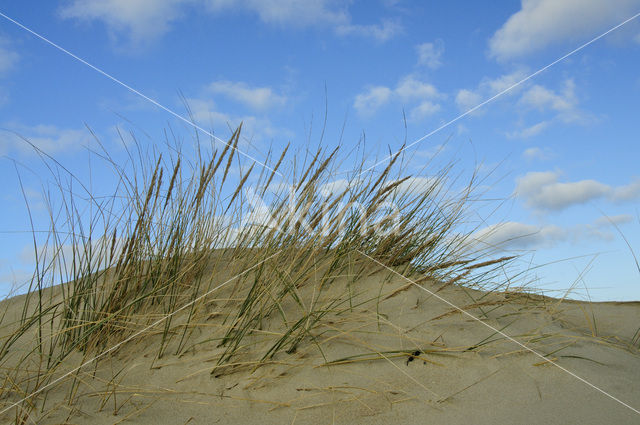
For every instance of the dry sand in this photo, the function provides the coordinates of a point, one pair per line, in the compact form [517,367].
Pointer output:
[411,359]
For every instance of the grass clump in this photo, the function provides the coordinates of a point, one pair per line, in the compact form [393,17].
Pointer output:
[180,257]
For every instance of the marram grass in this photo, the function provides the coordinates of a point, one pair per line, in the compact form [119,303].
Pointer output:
[173,231]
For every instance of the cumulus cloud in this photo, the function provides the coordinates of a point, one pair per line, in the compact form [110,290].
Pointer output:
[206,113]
[527,132]
[48,138]
[614,219]
[627,192]
[423,110]
[8,57]
[541,23]
[408,90]
[144,20]
[560,105]
[489,87]
[467,99]
[418,186]
[255,97]
[543,191]
[288,12]
[335,187]
[308,13]
[537,153]
[514,235]
[429,152]
[373,98]
[382,32]
[412,186]
[140,20]
[503,82]
[541,98]
[8,60]
[563,102]
[429,54]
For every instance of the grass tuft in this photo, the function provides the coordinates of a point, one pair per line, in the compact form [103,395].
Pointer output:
[177,235]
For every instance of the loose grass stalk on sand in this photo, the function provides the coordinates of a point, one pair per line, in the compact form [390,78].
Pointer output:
[169,265]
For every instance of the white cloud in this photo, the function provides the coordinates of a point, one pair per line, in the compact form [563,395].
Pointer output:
[560,105]
[140,20]
[467,99]
[429,54]
[260,214]
[628,192]
[8,60]
[255,97]
[563,104]
[541,23]
[615,219]
[368,102]
[383,32]
[288,12]
[144,20]
[541,190]
[205,113]
[527,132]
[8,57]
[310,13]
[430,152]
[489,87]
[48,138]
[417,185]
[423,110]
[513,235]
[504,82]
[408,90]
[537,153]
[335,187]
[542,98]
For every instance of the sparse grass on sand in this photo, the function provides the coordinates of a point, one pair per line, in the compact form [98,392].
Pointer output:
[175,302]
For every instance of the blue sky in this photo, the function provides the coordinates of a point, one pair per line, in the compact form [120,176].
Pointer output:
[566,140]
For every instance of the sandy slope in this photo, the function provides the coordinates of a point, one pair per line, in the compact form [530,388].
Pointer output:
[411,359]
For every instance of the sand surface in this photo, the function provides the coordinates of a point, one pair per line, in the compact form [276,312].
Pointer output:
[409,358]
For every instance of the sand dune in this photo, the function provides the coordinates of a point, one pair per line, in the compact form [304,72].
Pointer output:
[396,354]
